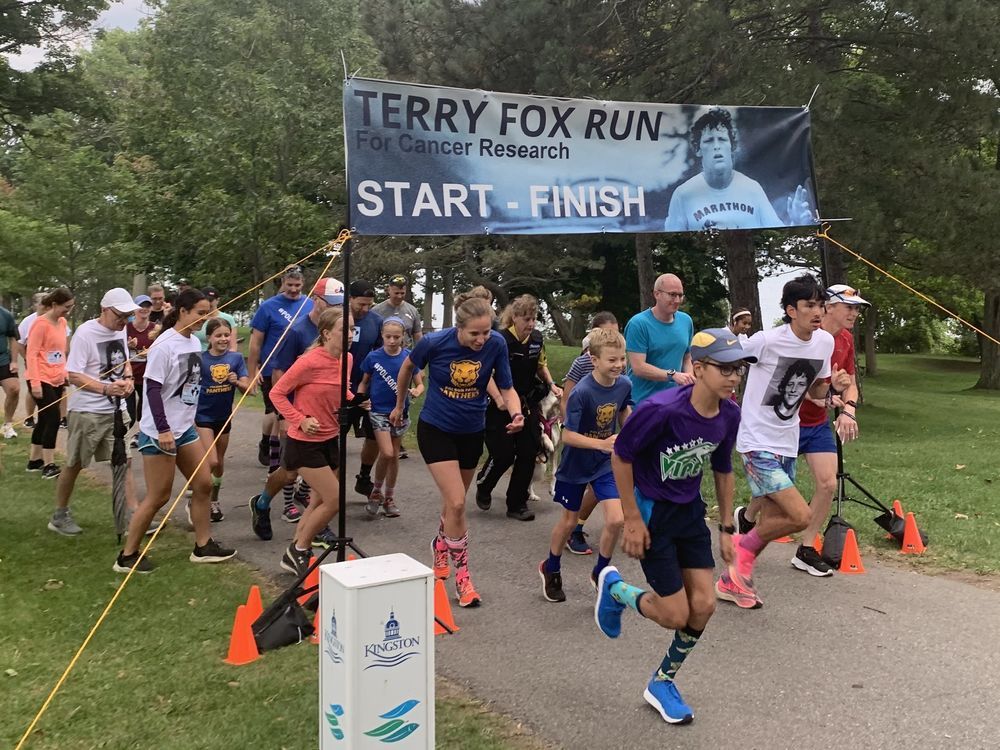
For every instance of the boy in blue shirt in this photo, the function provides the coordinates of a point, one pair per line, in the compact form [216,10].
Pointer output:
[380,372]
[657,462]
[598,404]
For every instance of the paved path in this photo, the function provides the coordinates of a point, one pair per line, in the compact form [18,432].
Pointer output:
[889,659]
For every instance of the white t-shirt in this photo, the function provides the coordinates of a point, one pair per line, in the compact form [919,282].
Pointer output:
[24,328]
[175,361]
[742,204]
[99,353]
[786,367]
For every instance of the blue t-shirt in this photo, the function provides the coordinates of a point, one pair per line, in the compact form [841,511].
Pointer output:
[367,338]
[271,319]
[592,411]
[215,403]
[664,345]
[383,368]
[457,378]
[301,337]
[667,442]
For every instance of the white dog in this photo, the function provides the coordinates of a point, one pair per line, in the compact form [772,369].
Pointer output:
[548,455]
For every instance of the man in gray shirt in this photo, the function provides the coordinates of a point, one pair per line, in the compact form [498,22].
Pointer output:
[395,305]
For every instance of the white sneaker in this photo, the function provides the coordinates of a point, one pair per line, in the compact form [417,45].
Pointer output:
[8,431]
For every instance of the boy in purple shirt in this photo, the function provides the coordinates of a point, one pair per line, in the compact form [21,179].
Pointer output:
[657,462]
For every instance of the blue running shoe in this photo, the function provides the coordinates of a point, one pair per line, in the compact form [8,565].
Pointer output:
[665,698]
[607,611]
[578,544]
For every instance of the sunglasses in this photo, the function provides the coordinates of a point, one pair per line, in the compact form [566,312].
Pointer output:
[728,370]
[121,315]
[845,294]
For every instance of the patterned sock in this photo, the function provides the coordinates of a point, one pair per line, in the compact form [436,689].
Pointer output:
[554,563]
[752,542]
[390,492]
[459,551]
[274,453]
[602,563]
[684,641]
[264,501]
[302,493]
[288,493]
[626,594]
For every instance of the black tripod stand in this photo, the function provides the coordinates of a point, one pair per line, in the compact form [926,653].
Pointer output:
[886,519]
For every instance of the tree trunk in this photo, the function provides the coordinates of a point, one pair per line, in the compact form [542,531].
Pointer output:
[138,284]
[741,274]
[563,328]
[647,276]
[989,368]
[834,270]
[871,326]
[448,292]
[428,312]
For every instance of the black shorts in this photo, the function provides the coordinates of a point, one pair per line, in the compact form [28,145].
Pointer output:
[436,445]
[265,390]
[679,538]
[216,427]
[6,374]
[299,454]
[361,421]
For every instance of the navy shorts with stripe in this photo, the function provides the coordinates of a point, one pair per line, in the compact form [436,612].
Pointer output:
[679,539]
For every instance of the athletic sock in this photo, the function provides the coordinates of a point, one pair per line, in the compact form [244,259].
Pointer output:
[366,471]
[216,486]
[627,594]
[459,551]
[274,453]
[264,501]
[602,563]
[578,529]
[553,564]
[684,640]
[752,542]
[377,486]
[302,492]
[288,493]
[390,492]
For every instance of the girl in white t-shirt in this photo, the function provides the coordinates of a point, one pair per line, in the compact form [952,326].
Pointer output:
[168,438]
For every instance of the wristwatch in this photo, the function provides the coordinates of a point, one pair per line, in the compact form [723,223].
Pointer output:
[670,374]
[727,529]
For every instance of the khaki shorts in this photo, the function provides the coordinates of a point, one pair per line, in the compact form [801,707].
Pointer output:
[91,437]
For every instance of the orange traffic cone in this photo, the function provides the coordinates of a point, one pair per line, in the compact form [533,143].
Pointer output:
[242,646]
[818,543]
[311,580]
[851,560]
[912,543]
[314,638]
[442,609]
[784,540]
[254,605]
[351,557]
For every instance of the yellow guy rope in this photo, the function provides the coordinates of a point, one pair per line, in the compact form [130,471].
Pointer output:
[824,233]
[333,246]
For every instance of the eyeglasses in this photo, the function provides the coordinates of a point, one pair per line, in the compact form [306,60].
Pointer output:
[672,295]
[120,315]
[728,370]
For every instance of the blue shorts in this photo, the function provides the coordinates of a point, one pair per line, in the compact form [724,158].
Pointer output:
[380,423]
[678,538]
[570,495]
[151,447]
[817,439]
[768,472]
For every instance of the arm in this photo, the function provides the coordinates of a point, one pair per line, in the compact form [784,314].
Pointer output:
[846,423]
[642,369]
[154,402]
[494,393]
[685,376]
[543,370]
[363,385]
[16,349]
[513,403]
[418,378]
[253,356]
[576,440]
[635,540]
[568,386]
[724,489]
[402,384]
[295,375]
[33,348]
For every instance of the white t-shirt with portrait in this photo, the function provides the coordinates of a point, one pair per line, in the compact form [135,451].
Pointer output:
[99,353]
[175,361]
[777,384]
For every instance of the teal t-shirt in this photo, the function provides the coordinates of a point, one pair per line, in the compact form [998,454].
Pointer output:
[664,345]
[8,330]
[200,333]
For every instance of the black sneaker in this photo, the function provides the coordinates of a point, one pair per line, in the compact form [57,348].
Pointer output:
[402,453]
[522,514]
[295,561]
[216,514]
[551,584]
[260,520]
[36,465]
[125,563]
[264,451]
[484,499]
[51,471]
[211,552]
[743,524]
[62,424]
[30,423]
[808,560]
[363,485]
[325,539]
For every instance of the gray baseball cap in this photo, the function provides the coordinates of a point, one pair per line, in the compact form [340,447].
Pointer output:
[718,345]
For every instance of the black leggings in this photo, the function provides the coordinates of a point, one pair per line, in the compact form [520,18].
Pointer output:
[47,422]
[134,402]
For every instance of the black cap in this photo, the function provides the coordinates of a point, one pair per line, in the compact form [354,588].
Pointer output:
[210,292]
[362,288]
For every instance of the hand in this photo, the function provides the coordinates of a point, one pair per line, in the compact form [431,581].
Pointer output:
[129,386]
[635,540]
[840,379]
[608,444]
[167,308]
[133,343]
[233,377]
[417,391]
[36,392]
[516,424]
[726,547]
[555,389]
[837,402]
[117,388]
[166,442]
[683,378]
[847,428]
[396,417]
[799,209]
[309,425]
[12,366]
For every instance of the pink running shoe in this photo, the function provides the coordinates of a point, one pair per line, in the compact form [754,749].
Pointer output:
[730,591]
[441,569]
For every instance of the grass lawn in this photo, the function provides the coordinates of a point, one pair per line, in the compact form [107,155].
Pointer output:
[153,676]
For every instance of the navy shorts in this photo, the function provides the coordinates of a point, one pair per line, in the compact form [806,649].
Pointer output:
[570,495]
[679,538]
[817,439]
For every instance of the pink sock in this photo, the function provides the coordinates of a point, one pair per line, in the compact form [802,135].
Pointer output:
[459,551]
[752,542]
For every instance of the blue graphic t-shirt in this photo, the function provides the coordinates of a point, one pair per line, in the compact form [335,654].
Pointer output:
[301,337]
[667,442]
[215,403]
[592,411]
[367,338]
[271,319]
[383,368]
[664,345]
[457,378]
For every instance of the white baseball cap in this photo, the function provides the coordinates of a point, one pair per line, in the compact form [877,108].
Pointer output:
[119,299]
[846,294]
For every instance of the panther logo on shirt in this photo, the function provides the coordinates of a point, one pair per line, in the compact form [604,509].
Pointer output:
[605,415]
[220,373]
[465,373]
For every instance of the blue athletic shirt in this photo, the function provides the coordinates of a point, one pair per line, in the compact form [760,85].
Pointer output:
[383,369]
[271,319]
[664,345]
[301,337]
[457,378]
[215,402]
[367,338]
[592,411]
[668,443]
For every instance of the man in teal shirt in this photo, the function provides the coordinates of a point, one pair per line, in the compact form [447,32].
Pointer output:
[658,342]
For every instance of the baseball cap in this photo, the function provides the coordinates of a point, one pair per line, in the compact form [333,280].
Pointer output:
[119,299]
[210,293]
[719,345]
[142,299]
[331,290]
[361,288]
[846,294]
[398,280]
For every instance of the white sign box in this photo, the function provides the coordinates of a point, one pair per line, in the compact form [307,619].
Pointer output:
[376,656]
